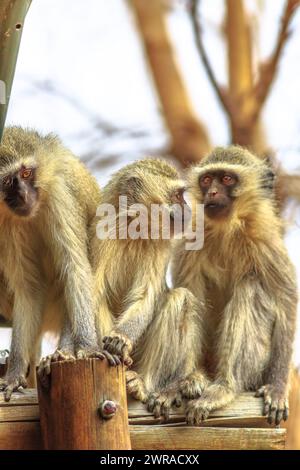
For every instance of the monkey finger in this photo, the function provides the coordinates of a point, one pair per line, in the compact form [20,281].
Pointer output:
[120,345]
[267,405]
[279,417]
[8,393]
[112,359]
[178,400]
[151,402]
[114,343]
[272,413]
[157,410]
[165,409]
[285,413]
[190,418]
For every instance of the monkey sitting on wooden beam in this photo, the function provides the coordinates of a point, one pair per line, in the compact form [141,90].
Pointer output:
[139,317]
[244,275]
[47,201]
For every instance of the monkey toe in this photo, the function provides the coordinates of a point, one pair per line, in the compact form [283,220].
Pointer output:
[275,406]
[197,411]
[136,387]
[10,386]
[161,404]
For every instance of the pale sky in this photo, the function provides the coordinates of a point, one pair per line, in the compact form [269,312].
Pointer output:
[91,52]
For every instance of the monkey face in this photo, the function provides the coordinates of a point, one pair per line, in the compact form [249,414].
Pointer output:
[217,190]
[19,192]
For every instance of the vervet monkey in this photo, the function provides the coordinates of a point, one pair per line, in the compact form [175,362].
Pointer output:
[47,200]
[247,280]
[138,315]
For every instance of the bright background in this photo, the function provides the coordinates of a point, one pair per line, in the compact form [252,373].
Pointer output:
[81,73]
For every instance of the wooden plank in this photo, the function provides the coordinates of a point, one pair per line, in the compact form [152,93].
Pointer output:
[20,436]
[19,413]
[27,436]
[22,397]
[200,438]
[245,411]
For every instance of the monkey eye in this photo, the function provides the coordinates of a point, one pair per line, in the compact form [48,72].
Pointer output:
[26,173]
[228,179]
[7,181]
[206,180]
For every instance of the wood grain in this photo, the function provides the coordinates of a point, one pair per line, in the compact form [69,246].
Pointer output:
[240,425]
[69,408]
[20,436]
[191,438]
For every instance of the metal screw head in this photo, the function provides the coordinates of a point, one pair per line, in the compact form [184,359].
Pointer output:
[107,409]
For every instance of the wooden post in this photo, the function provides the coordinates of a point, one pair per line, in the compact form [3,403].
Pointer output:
[85,407]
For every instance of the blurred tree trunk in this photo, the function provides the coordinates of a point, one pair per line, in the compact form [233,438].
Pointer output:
[12,16]
[245,130]
[190,140]
[293,423]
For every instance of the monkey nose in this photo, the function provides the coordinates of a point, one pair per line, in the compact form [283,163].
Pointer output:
[213,193]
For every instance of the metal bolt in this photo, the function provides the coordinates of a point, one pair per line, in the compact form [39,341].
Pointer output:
[107,409]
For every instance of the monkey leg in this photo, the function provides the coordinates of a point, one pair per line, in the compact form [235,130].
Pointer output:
[213,397]
[34,360]
[168,351]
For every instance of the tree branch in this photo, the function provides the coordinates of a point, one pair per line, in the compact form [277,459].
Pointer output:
[221,92]
[269,68]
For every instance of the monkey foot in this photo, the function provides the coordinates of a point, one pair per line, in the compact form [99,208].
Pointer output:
[276,406]
[197,411]
[160,403]
[44,368]
[119,345]
[112,359]
[136,386]
[11,384]
[193,385]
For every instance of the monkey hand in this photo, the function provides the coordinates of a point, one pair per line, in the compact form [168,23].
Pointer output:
[90,352]
[276,405]
[197,411]
[160,403]
[11,383]
[213,397]
[44,368]
[193,385]
[136,387]
[119,345]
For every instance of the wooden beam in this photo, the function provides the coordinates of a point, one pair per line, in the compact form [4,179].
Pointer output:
[85,406]
[190,438]
[238,426]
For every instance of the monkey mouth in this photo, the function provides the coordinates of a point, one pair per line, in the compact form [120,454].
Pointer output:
[216,209]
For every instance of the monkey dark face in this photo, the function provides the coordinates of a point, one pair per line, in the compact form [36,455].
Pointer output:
[19,192]
[217,189]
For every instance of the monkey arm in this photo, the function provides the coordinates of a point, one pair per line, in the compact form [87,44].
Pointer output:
[276,377]
[69,241]
[27,315]
[134,321]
